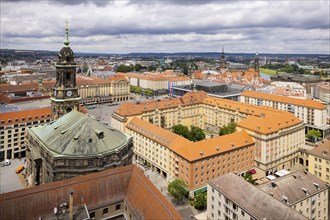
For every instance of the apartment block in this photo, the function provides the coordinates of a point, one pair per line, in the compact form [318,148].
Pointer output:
[311,112]
[278,139]
[13,126]
[194,162]
[319,161]
[230,197]
[160,83]
[278,134]
[302,192]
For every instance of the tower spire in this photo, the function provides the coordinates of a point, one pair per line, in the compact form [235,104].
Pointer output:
[66,40]
[223,49]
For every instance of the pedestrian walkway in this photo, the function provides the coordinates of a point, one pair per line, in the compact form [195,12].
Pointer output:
[184,208]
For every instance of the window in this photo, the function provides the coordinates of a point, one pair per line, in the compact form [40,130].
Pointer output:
[242,213]
[118,206]
[105,211]
[92,215]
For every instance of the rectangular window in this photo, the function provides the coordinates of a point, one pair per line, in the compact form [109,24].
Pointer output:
[105,211]
[118,206]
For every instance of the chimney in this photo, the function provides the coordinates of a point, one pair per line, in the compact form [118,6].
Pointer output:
[71,204]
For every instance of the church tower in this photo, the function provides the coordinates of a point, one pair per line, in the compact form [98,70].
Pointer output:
[256,63]
[223,62]
[65,95]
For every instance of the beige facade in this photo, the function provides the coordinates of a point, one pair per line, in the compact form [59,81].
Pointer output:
[311,112]
[278,134]
[194,162]
[319,161]
[156,81]
[96,90]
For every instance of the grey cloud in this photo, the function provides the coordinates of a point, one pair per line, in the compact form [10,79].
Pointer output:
[142,25]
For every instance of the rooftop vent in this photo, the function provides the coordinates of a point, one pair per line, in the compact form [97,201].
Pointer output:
[63,132]
[201,153]
[90,140]
[305,171]
[232,144]
[294,176]
[305,190]
[217,148]
[273,184]
[99,133]
[317,185]
[271,193]
[245,140]
[76,136]
[285,199]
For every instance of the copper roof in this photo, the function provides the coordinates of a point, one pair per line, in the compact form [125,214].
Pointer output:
[96,190]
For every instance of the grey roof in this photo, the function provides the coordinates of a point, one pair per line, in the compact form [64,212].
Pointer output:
[292,186]
[76,134]
[254,201]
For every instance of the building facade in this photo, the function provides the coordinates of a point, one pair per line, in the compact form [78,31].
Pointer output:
[194,162]
[311,112]
[95,90]
[319,161]
[13,126]
[278,141]
[230,197]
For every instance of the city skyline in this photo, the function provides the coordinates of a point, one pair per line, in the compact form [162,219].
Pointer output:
[168,26]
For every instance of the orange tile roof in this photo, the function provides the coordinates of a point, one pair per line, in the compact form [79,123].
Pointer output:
[24,115]
[157,134]
[270,124]
[185,148]
[130,109]
[284,99]
[206,148]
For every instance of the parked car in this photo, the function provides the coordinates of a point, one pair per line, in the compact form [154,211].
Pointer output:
[19,169]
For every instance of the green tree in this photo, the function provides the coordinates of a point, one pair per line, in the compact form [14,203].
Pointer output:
[181,130]
[248,177]
[124,68]
[138,67]
[148,92]
[228,129]
[196,134]
[177,188]
[313,135]
[200,200]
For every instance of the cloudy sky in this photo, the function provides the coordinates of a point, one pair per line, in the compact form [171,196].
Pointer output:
[125,26]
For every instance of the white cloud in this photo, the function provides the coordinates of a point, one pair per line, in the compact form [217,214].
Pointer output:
[168,26]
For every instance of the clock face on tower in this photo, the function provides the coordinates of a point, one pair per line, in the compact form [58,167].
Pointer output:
[69,93]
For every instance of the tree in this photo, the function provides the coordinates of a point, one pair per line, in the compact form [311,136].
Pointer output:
[196,134]
[200,200]
[228,129]
[138,67]
[148,92]
[181,130]
[248,177]
[313,135]
[124,68]
[177,188]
